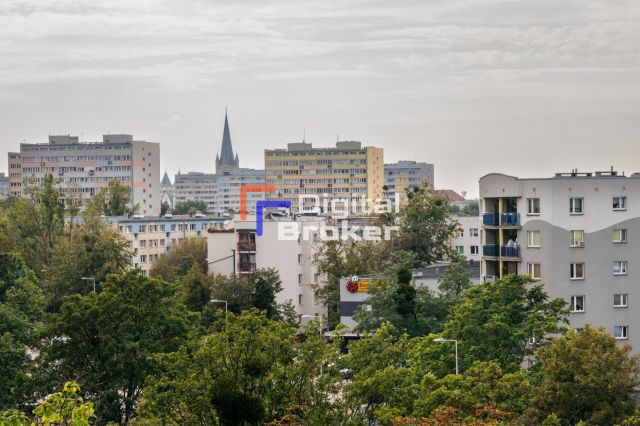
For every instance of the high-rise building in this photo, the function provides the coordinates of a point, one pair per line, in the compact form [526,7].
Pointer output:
[347,171]
[578,233]
[86,167]
[404,175]
[220,190]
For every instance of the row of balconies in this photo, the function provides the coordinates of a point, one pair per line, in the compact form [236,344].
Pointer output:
[496,250]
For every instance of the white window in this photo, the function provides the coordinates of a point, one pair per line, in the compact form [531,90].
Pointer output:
[621,332]
[473,232]
[299,278]
[619,235]
[533,206]
[619,203]
[577,303]
[577,271]
[620,300]
[533,238]
[299,299]
[474,249]
[460,249]
[576,205]
[620,267]
[576,238]
[299,259]
[533,269]
[143,243]
[143,258]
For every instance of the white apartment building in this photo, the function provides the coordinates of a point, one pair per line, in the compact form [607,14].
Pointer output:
[86,167]
[466,240]
[151,237]
[578,233]
[404,175]
[238,249]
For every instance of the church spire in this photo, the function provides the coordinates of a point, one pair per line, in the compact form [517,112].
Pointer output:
[226,159]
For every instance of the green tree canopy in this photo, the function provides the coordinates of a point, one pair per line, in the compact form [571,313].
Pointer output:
[190,207]
[176,263]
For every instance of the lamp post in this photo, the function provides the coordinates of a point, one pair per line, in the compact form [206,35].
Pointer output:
[441,340]
[93,280]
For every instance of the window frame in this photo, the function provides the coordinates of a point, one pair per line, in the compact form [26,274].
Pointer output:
[624,267]
[572,205]
[622,203]
[624,300]
[531,203]
[623,238]
[529,234]
[475,249]
[624,332]
[531,269]
[573,303]
[572,240]
[573,269]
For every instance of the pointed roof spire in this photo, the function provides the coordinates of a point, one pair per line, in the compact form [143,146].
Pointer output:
[166,180]
[226,159]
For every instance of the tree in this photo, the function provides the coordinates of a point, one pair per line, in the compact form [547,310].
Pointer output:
[111,338]
[21,315]
[184,207]
[455,280]
[425,227]
[115,200]
[227,377]
[186,254]
[395,299]
[164,208]
[496,320]
[587,377]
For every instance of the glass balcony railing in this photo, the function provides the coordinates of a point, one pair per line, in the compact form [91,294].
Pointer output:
[495,250]
[510,219]
[490,219]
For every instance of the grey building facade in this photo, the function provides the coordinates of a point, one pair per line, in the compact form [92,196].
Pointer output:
[578,233]
[403,175]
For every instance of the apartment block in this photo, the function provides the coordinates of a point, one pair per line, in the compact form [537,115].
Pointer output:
[86,167]
[347,172]
[238,249]
[466,239]
[151,237]
[404,175]
[578,233]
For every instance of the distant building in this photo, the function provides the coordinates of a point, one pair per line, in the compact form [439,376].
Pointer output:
[347,171]
[151,237]
[220,190]
[404,175]
[466,240]
[86,167]
[576,233]
[239,250]
[166,190]
[4,186]
[354,290]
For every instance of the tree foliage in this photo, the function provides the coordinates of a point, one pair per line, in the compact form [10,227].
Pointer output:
[176,263]
[114,200]
[190,207]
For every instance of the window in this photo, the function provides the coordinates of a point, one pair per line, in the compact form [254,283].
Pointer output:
[619,235]
[576,205]
[621,332]
[533,269]
[620,267]
[473,232]
[460,249]
[576,238]
[619,203]
[299,259]
[577,303]
[620,300]
[474,249]
[143,243]
[299,299]
[299,278]
[459,233]
[533,238]
[143,258]
[577,271]
[533,206]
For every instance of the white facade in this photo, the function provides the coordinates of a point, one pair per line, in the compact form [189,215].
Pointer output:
[87,167]
[466,240]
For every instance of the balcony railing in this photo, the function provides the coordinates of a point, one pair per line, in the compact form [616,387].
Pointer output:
[490,219]
[495,250]
[246,246]
[510,219]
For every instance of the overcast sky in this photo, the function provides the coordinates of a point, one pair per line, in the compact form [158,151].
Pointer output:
[474,86]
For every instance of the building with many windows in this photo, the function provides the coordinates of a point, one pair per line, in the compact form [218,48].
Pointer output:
[576,232]
[220,190]
[404,175]
[466,239]
[347,171]
[86,167]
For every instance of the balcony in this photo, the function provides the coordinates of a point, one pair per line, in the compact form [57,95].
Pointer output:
[246,267]
[501,219]
[490,219]
[244,246]
[495,250]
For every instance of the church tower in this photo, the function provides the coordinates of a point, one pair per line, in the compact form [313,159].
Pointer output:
[226,160]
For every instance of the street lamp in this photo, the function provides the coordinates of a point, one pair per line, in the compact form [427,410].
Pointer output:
[93,280]
[441,340]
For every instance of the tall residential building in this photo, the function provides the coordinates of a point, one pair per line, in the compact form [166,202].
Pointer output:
[348,171]
[4,186]
[238,249]
[404,175]
[579,233]
[220,190]
[466,239]
[86,167]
